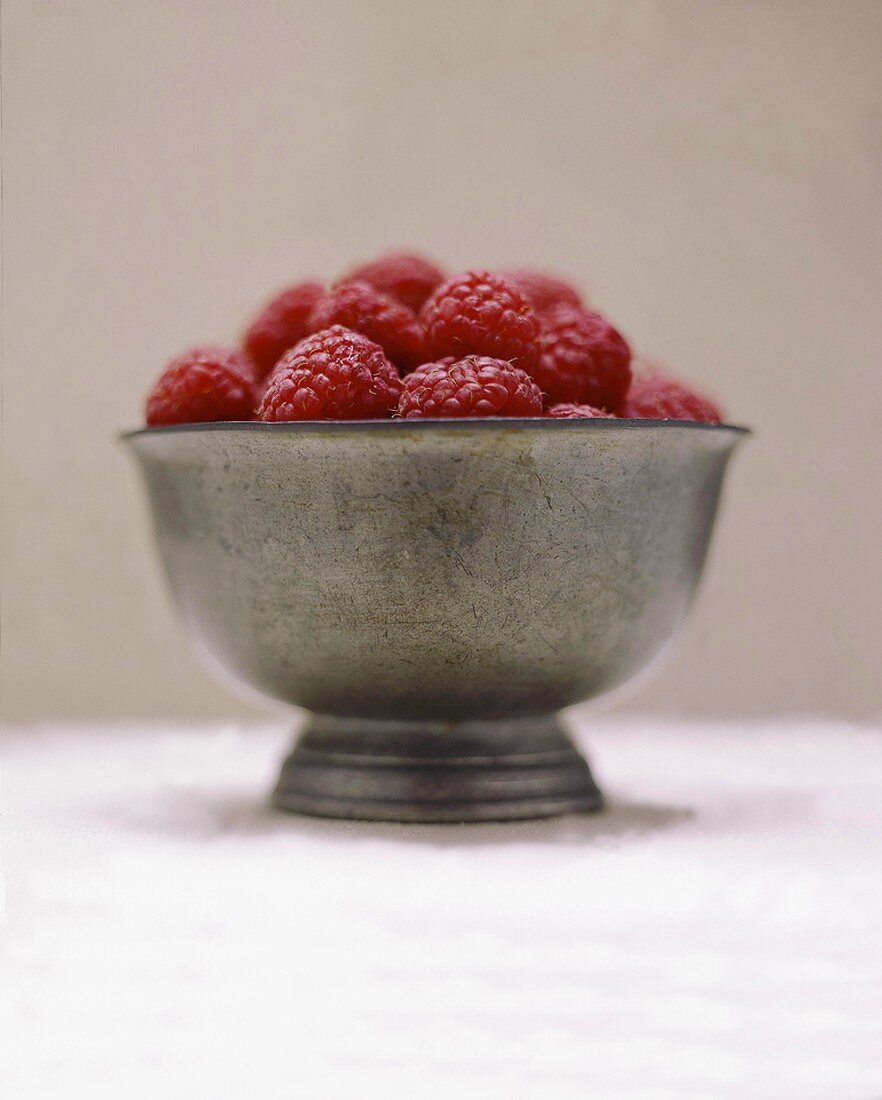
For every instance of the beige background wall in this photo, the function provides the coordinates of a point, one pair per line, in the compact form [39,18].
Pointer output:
[710,170]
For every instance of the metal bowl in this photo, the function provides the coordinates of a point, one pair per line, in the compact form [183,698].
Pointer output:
[434,591]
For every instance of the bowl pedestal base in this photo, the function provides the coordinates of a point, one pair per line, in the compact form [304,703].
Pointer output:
[415,771]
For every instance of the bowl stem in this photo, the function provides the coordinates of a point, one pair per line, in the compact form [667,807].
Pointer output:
[414,771]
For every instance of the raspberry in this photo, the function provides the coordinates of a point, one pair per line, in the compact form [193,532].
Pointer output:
[279,326]
[475,386]
[357,306]
[583,360]
[404,276]
[203,384]
[655,397]
[332,375]
[543,291]
[481,314]
[578,412]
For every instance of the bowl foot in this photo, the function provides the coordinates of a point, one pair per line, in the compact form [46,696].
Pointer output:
[436,771]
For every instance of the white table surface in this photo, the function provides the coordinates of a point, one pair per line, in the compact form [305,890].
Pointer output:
[716,934]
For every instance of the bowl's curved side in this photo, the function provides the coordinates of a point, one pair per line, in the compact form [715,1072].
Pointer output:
[457,573]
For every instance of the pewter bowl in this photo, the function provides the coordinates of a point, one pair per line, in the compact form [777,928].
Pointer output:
[434,591]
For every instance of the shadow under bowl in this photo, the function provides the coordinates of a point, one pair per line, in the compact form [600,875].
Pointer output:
[434,591]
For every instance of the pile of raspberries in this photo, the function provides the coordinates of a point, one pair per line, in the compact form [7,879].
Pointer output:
[396,338]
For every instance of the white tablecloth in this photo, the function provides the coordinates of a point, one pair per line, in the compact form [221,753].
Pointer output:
[716,934]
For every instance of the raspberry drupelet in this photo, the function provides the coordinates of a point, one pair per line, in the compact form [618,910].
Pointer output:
[543,290]
[405,276]
[357,306]
[280,325]
[474,386]
[424,368]
[332,375]
[656,397]
[583,360]
[479,313]
[202,385]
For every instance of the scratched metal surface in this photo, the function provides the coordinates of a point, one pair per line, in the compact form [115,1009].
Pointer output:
[453,570]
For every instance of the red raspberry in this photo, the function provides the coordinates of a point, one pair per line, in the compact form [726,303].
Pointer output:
[201,385]
[404,276]
[482,314]
[543,291]
[475,386]
[655,397]
[279,326]
[357,306]
[332,375]
[578,412]
[584,360]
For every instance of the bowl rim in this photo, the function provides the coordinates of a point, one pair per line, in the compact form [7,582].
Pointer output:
[484,423]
